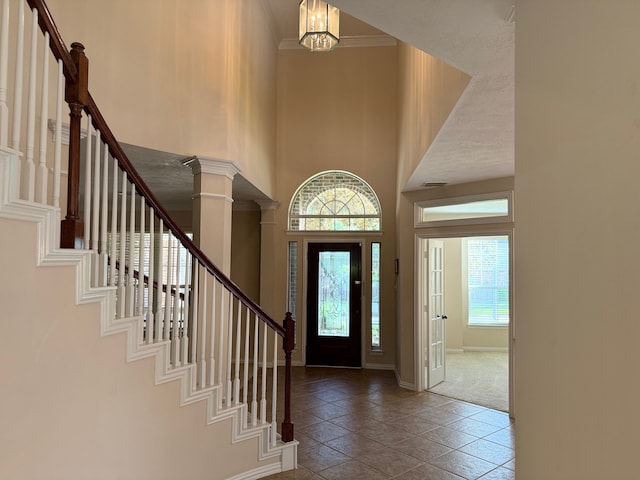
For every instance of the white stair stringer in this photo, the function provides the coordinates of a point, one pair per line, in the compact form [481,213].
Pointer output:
[47,220]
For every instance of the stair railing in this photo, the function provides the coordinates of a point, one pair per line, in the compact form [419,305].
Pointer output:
[206,321]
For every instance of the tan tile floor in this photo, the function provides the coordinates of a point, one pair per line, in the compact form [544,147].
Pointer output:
[358,424]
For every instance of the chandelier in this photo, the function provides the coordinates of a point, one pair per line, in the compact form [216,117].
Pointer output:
[319,26]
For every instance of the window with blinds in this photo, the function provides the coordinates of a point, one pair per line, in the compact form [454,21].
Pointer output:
[488,280]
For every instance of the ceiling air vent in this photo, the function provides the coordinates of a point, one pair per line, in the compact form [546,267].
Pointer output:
[433,184]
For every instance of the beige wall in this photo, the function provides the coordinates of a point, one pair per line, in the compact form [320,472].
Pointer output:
[577,302]
[338,111]
[195,81]
[72,408]
[428,89]
[245,252]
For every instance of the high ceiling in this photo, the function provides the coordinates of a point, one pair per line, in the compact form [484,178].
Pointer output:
[475,36]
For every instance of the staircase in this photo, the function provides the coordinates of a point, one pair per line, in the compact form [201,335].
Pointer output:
[72,407]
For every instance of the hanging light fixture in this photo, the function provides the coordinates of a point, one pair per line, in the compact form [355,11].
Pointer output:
[319,26]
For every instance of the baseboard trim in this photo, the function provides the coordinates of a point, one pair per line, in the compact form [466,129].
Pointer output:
[403,384]
[486,349]
[379,366]
[260,472]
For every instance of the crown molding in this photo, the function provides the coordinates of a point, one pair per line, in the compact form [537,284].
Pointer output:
[213,166]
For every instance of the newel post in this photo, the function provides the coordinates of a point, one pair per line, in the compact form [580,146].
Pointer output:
[77,96]
[289,342]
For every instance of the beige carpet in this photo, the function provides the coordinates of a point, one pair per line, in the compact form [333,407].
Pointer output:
[477,377]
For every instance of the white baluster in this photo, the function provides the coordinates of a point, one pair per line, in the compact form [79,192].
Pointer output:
[202,366]
[87,185]
[184,347]
[123,248]
[103,217]
[159,300]
[167,296]
[4,70]
[274,391]
[212,334]
[114,226]
[131,290]
[229,384]
[254,393]
[141,255]
[151,319]
[57,150]
[17,89]
[221,323]
[263,397]
[42,173]
[236,380]
[175,340]
[143,325]
[29,172]
[245,385]
[95,214]
[194,315]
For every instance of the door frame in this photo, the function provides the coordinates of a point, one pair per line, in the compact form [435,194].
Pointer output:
[364,258]
[420,290]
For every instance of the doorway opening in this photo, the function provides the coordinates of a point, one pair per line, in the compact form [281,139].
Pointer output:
[464,317]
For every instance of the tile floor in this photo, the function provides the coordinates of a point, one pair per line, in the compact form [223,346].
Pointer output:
[358,424]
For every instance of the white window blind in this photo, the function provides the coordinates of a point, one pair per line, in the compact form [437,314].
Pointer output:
[488,280]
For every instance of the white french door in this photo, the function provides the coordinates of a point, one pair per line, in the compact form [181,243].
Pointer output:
[435,355]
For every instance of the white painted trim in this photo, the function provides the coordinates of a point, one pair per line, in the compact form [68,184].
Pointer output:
[268,204]
[486,349]
[215,196]
[379,366]
[259,472]
[403,384]
[213,166]
[459,231]
[454,350]
[362,41]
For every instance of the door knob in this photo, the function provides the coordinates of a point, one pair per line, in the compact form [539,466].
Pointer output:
[444,317]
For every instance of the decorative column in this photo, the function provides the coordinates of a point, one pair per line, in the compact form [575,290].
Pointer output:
[268,249]
[212,201]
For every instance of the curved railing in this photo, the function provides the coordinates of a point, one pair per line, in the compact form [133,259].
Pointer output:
[206,320]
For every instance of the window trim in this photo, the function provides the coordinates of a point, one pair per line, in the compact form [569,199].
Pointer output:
[465,280]
[419,207]
[370,194]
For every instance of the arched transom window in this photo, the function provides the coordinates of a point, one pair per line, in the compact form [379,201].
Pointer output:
[334,200]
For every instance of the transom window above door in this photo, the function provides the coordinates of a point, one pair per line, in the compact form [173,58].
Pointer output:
[335,201]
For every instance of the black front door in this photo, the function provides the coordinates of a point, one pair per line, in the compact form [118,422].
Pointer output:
[333,304]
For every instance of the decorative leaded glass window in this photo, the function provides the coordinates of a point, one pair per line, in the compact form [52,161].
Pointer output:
[334,200]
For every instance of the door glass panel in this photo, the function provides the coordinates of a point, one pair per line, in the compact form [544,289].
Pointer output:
[334,284]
